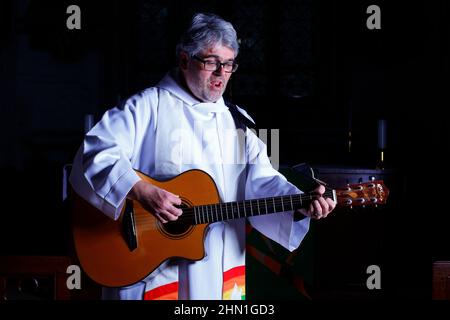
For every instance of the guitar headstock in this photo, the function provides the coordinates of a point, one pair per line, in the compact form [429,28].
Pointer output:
[362,194]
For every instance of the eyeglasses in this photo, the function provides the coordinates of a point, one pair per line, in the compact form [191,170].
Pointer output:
[211,65]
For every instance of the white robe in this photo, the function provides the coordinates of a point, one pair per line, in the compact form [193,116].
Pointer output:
[162,132]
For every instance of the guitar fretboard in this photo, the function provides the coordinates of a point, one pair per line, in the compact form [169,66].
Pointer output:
[249,208]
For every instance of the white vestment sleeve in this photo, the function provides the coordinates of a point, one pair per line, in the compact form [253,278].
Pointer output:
[264,181]
[102,171]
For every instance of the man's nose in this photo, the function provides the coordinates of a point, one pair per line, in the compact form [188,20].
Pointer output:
[220,70]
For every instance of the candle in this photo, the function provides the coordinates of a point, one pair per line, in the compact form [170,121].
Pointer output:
[382,134]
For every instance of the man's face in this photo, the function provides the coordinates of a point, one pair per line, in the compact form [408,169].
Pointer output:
[207,86]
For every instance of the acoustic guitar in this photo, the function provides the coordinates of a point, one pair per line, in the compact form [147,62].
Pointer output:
[123,252]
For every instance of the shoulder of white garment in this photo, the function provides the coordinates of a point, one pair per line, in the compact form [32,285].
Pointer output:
[140,107]
[144,99]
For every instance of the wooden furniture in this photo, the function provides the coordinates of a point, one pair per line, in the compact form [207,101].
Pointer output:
[34,278]
[441,280]
[42,278]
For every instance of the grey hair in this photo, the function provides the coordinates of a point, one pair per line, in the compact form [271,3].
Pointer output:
[207,30]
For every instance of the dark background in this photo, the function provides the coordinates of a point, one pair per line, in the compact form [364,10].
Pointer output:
[309,68]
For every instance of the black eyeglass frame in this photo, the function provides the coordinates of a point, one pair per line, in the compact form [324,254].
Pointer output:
[218,65]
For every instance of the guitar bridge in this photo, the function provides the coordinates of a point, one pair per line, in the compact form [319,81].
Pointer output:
[129,226]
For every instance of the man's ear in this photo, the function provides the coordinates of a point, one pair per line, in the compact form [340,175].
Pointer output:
[184,58]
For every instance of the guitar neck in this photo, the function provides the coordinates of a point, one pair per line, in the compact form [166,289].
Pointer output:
[249,208]
[353,195]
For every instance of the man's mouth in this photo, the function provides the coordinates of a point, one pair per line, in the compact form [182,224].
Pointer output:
[217,84]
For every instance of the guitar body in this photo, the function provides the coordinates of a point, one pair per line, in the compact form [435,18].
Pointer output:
[106,256]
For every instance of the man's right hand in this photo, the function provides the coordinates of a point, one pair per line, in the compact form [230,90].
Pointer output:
[159,202]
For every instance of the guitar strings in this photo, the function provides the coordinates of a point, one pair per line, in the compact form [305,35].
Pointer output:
[189,214]
[244,204]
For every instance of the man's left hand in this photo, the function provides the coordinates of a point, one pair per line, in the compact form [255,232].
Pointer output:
[319,208]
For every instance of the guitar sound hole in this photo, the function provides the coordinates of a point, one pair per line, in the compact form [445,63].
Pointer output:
[179,228]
